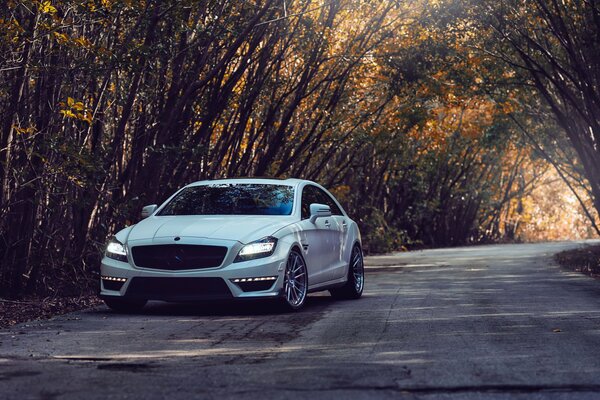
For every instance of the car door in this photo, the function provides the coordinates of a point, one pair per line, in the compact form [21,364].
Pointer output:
[319,240]
[339,231]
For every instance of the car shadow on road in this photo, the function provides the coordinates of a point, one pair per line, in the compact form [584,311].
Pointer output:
[314,303]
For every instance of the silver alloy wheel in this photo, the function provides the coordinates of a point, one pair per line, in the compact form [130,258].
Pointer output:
[358,269]
[295,283]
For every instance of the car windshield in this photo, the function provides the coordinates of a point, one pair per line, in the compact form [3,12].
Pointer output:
[232,199]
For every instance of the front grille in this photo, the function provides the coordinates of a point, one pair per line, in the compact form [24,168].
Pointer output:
[176,257]
[178,289]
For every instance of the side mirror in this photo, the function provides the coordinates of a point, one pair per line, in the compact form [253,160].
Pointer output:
[318,211]
[148,210]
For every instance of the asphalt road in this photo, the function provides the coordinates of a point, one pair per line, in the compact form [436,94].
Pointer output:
[498,322]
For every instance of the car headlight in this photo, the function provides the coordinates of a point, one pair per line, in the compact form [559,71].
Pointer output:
[116,250]
[259,249]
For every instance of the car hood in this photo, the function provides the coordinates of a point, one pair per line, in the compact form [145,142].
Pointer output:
[242,228]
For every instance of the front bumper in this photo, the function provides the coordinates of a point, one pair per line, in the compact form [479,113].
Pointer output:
[122,279]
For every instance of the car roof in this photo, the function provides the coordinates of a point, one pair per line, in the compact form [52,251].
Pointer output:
[268,181]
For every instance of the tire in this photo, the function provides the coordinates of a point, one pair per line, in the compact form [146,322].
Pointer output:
[125,305]
[355,284]
[295,283]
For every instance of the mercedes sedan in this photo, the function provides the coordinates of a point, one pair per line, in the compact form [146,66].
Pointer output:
[235,239]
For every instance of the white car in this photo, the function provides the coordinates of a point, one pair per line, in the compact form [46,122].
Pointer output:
[235,239]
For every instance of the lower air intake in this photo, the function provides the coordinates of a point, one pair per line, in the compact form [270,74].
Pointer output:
[178,289]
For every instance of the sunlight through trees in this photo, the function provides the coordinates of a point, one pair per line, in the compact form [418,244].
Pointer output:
[436,123]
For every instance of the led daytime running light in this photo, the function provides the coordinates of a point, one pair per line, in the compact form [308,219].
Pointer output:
[262,278]
[113,279]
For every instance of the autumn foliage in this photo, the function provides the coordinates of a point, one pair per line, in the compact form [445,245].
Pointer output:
[397,107]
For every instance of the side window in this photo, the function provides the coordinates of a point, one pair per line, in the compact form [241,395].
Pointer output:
[310,195]
[324,198]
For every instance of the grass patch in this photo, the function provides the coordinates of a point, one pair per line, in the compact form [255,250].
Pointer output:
[585,260]
[17,311]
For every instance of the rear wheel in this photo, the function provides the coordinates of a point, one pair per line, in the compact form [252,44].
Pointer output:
[125,305]
[356,278]
[295,284]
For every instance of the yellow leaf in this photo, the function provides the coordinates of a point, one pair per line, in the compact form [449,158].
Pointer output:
[19,130]
[70,101]
[61,37]
[46,7]
[78,106]
[68,113]
[83,42]
[87,117]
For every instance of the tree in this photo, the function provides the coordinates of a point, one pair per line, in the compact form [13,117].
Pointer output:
[555,47]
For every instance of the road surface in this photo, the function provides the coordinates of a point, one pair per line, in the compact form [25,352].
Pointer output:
[500,322]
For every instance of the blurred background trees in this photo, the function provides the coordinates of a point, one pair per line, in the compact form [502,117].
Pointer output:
[435,123]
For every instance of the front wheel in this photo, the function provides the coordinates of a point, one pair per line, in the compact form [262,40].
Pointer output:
[295,284]
[125,305]
[356,277]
